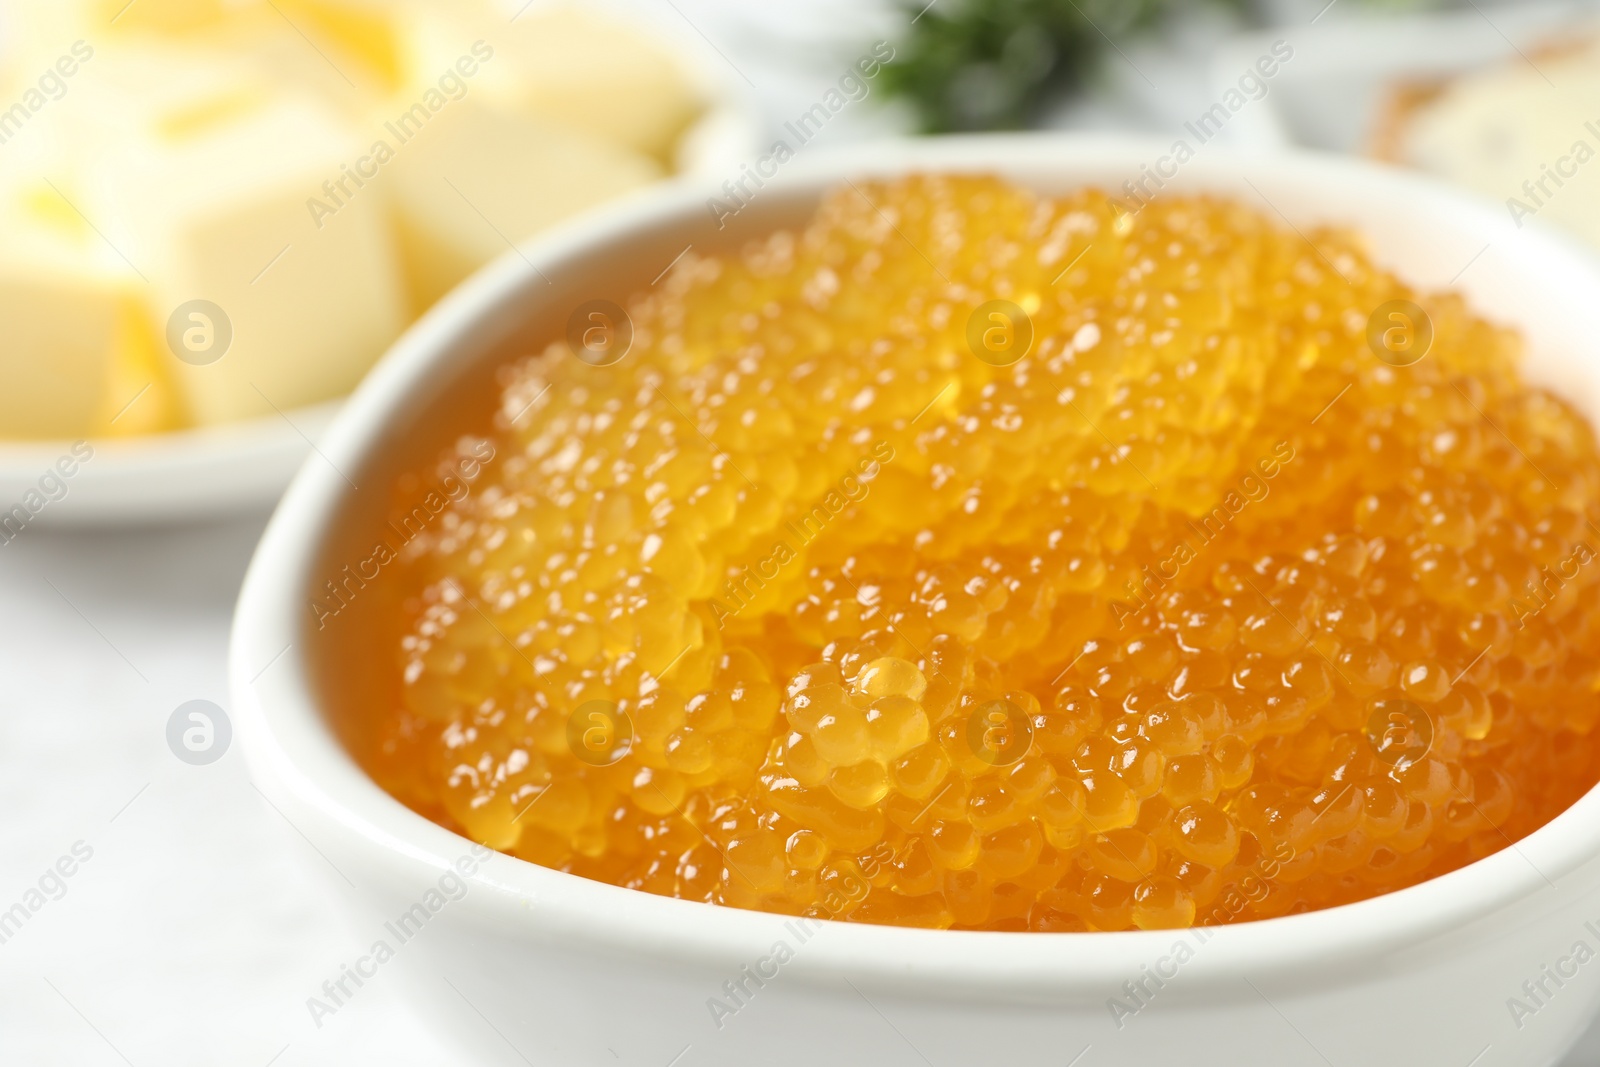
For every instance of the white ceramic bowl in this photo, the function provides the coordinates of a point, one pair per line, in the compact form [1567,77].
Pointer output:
[541,967]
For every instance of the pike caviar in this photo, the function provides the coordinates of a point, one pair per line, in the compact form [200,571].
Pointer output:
[1197,612]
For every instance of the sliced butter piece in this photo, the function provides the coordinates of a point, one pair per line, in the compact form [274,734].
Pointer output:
[163,16]
[136,91]
[219,212]
[367,30]
[345,59]
[342,46]
[474,180]
[597,76]
[34,34]
[77,358]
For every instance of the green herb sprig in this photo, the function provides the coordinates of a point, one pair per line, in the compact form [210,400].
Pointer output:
[994,64]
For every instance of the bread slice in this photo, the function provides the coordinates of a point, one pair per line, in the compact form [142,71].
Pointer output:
[1525,132]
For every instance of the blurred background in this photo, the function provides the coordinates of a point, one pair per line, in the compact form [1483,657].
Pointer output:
[216,215]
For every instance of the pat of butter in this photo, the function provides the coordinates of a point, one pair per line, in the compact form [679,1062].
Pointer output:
[218,210]
[33,34]
[131,92]
[344,56]
[366,30]
[77,358]
[473,181]
[168,16]
[344,50]
[597,76]
[354,40]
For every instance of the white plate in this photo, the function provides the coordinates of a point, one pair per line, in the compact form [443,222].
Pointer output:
[188,474]
[212,472]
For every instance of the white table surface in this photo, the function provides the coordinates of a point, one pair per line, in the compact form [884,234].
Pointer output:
[201,924]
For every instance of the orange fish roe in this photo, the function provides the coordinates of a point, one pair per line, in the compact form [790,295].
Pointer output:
[1197,612]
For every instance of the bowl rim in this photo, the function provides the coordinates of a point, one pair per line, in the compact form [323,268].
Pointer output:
[298,760]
